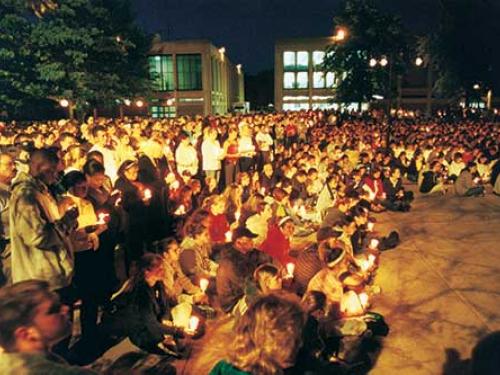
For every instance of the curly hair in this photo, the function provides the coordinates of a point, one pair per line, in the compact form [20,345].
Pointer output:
[268,335]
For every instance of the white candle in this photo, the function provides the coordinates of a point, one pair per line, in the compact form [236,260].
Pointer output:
[102,216]
[204,284]
[229,236]
[194,321]
[370,226]
[237,215]
[374,243]
[290,268]
[363,298]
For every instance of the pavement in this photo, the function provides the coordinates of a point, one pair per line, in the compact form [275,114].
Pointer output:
[440,289]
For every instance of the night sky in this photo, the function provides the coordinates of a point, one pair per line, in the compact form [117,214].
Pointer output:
[249,28]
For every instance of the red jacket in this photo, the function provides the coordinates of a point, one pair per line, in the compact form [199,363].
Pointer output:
[218,227]
[276,245]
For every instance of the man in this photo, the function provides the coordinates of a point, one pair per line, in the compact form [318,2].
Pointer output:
[40,237]
[7,173]
[100,139]
[236,265]
[32,321]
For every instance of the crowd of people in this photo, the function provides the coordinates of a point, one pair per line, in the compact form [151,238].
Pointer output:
[150,227]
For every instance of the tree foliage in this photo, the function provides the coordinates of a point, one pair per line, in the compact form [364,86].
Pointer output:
[88,51]
[370,34]
[465,47]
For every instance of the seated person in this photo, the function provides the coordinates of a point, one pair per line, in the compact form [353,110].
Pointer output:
[277,242]
[268,337]
[237,264]
[466,184]
[32,321]
[433,179]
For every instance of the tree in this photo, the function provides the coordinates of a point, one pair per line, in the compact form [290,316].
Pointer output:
[464,48]
[90,52]
[369,35]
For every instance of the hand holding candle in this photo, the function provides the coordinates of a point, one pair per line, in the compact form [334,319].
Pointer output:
[290,269]
[147,195]
[370,226]
[374,244]
[228,236]
[193,324]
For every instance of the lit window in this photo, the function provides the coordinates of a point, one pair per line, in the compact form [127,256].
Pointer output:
[318,58]
[318,80]
[302,80]
[161,71]
[302,60]
[289,60]
[162,111]
[189,72]
[330,79]
[289,80]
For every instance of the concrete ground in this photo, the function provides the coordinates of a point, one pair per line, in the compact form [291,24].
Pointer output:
[440,289]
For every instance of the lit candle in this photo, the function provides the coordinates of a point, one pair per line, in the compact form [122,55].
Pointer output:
[374,243]
[147,195]
[290,268]
[204,284]
[194,321]
[477,180]
[229,236]
[370,226]
[263,191]
[364,265]
[237,215]
[364,300]
[118,201]
[181,210]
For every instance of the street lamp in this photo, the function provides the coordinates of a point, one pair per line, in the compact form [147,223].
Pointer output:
[373,62]
[139,103]
[476,86]
[127,102]
[419,61]
[64,103]
[384,61]
[341,34]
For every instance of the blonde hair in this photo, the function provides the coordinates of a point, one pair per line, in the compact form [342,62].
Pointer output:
[268,335]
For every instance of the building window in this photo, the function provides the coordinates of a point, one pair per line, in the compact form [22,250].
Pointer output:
[318,58]
[318,80]
[330,80]
[162,111]
[161,71]
[189,72]
[302,80]
[289,80]
[295,106]
[296,61]
[289,60]
[297,80]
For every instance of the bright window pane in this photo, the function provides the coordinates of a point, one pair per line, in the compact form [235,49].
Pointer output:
[319,80]
[318,57]
[161,71]
[302,80]
[302,60]
[289,80]
[289,60]
[330,79]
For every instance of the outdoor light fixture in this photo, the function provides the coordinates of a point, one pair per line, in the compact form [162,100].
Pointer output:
[222,50]
[238,67]
[139,103]
[64,103]
[384,61]
[341,34]
[170,102]
[476,86]
[118,38]
[373,62]
[419,61]
[127,102]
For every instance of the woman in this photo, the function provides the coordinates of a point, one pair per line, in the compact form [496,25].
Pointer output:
[211,153]
[141,308]
[135,199]
[268,338]
[231,167]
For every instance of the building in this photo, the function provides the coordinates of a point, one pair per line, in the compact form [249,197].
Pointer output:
[299,82]
[193,77]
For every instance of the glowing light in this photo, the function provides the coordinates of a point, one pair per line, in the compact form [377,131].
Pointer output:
[228,236]
[373,62]
[341,34]
[384,61]
[147,195]
[374,243]
[476,86]
[238,67]
[181,210]
[204,284]
[64,103]
[127,102]
[364,300]
[194,321]
[370,226]
[419,61]
[290,269]
[118,38]
[139,103]
[237,215]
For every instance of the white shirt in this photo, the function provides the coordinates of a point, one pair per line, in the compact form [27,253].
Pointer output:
[211,154]
[186,159]
[265,141]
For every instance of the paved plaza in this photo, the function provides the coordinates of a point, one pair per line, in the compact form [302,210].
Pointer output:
[440,289]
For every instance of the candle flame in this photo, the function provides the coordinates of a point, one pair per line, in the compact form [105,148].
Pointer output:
[102,216]
[290,268]
[229,236]
[374,243]
[147,194]
[363,298]
[194,321]
[204,284]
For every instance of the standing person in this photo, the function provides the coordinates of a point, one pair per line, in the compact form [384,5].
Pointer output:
[40,236]
[265,143]
[7,173]
[186,157]
[231,167]
[211,154]
[246,149]
[32,321]
[100,139]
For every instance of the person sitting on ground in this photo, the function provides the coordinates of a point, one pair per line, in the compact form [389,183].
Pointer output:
[32,321]
[467,183]
[268,338]
[433,179]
